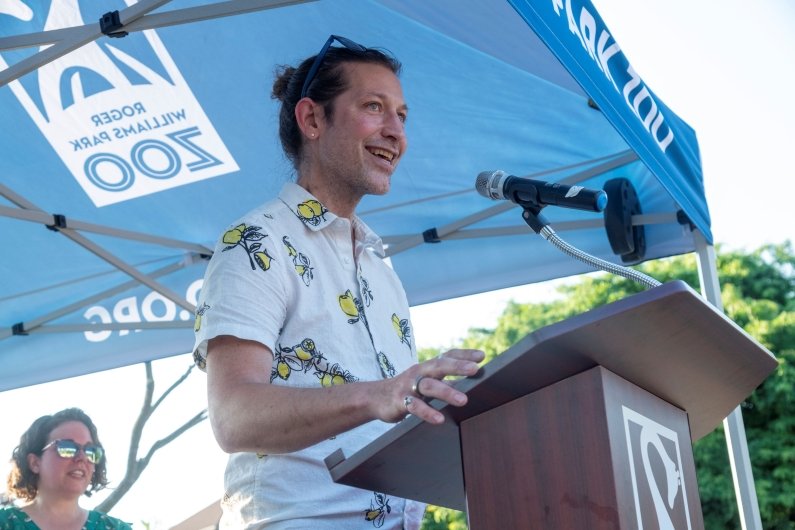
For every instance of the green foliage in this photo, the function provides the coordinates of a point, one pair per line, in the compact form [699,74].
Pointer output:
[758,293]
[437,518]
[423,354]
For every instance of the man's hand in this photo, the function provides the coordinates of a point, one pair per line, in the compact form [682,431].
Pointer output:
[404,393]
[248,413]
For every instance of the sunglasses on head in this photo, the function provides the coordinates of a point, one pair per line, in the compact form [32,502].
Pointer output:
[348,43]
[70,448]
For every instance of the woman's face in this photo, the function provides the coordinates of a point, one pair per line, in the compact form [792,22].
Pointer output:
[63,477]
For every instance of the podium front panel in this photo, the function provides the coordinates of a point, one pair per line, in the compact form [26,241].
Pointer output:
[590,452]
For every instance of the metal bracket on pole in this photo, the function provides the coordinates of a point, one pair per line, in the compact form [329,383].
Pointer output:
[742,475]
[111,25]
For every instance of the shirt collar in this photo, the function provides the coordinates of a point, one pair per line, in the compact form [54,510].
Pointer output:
[309,210]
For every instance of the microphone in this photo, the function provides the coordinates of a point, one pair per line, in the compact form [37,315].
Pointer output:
[498,185]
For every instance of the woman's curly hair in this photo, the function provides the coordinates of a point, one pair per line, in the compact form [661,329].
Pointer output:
[22,481]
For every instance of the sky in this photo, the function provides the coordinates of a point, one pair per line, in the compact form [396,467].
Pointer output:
[724,66]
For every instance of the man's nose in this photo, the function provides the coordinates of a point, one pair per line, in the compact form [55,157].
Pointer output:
[395,127]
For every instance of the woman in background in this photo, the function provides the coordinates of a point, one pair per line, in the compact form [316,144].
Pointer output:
[58,459]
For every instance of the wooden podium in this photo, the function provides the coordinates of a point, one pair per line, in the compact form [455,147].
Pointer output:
[584,424]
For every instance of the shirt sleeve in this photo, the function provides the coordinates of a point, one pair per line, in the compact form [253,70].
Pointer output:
[243,294]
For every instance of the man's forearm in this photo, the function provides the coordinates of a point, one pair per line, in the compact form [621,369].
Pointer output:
[266,418]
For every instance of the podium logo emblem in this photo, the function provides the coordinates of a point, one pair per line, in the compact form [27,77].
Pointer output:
[656,466]
[117,112]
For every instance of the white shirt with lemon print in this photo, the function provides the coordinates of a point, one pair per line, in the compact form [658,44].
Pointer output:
[287,275]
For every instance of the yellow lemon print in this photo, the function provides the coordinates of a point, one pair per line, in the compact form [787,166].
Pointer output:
[233,236]
[348,304]
[311,211]
[283,369]
[304,350]
[402,329]
[290,249]
[197,324]
[263,260]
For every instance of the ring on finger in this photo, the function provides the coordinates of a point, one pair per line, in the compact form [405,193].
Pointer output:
[408,400]
[415,388]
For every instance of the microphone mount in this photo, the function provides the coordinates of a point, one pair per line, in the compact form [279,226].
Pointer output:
[533,196]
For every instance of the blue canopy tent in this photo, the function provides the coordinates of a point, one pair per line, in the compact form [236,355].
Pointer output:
[124,158]
[141,150]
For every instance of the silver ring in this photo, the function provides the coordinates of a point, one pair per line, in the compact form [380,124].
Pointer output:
[408,400]
[415,388]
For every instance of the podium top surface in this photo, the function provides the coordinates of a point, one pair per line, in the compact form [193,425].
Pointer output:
[667,340]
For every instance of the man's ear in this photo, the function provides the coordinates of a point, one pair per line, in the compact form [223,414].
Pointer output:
[310,118]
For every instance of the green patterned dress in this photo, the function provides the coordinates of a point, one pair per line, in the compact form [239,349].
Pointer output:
[12,518]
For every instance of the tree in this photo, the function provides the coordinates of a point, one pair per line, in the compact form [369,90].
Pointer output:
[758,293]
[136,465]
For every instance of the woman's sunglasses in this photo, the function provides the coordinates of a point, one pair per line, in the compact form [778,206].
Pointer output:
[70,448]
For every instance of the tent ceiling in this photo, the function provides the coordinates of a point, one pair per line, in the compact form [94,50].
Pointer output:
[136,153]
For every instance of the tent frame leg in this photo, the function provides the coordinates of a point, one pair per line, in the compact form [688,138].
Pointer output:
[733,427]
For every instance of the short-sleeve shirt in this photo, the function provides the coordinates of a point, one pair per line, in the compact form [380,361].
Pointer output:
[290,276]
[12,518]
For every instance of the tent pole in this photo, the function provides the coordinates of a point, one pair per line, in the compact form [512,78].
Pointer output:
[134,18]
[734,430]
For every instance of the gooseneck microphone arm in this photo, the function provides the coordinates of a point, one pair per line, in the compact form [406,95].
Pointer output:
[532,196]
[537,222]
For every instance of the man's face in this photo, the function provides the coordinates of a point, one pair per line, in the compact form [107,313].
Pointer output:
[361,147]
